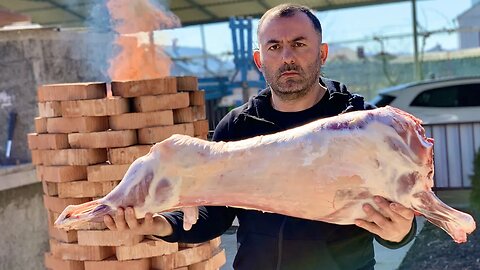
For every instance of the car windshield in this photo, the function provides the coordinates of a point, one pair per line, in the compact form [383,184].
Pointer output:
[382,100]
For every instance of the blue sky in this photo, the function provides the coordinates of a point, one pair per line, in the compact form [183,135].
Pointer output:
[352,24]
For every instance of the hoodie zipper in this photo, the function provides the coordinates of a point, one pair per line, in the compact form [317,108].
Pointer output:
[280,243]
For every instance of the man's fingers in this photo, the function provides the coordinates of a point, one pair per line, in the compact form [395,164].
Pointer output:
[402,211]
[375,216]
[120,220]
[109,222]
[369,226]
[130,218]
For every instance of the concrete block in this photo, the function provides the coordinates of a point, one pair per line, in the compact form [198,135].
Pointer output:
[158,134]
[71,91]
[161,102]
[47,141]
[187,83]
[95,107]
[49,109]
[77,124]
[113,264]
[103,139]
[77,157]
[145,249]
[53,263]
[71,251]
[108,238]
[141,120]
[158,86]
[183,115]
[197,98]
[127,155]
[106,172]
[61,173]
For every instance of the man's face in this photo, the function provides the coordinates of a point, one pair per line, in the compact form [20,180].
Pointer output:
[290,55]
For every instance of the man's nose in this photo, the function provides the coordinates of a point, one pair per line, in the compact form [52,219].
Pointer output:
[288,55]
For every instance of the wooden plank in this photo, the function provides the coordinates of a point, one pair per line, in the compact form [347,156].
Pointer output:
[71,251]
[85,189]
[57,205]
[95,107]
[158,134]
[127,155]
[145,249]
[47,141]
[197,98]
[72,91]
[187,83]
[106,172]
[62,235]
[73,156]
[77,124]
[108,238]
[58,264]
[213,263]
[50,188]
[49,109]
[40,124]
[158,86]
[103,139]
[199,113]
[61,173]
[183,115]
[141,120]
[184,257]
[113,264]
[161,102]
[200,128]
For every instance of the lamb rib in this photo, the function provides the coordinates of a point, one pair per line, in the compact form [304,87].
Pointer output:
[325,170]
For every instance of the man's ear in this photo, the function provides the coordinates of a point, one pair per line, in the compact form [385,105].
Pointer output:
[256,59]
[323,53]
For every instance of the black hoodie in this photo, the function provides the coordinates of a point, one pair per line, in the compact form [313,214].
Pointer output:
[272,241]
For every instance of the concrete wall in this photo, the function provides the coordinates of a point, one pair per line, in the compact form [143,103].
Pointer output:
[29,58]
[23,222]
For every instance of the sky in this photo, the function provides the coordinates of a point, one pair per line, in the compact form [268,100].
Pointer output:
[349,25]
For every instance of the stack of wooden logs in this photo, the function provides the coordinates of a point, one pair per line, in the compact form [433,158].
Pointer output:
[86,136]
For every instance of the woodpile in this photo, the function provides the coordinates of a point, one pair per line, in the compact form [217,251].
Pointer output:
[85,139]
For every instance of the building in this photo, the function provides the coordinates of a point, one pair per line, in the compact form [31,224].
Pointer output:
[469,23]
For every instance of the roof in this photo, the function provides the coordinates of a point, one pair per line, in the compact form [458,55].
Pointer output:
[73,13]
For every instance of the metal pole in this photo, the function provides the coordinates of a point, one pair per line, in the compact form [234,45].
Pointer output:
[417,68]
[204,48]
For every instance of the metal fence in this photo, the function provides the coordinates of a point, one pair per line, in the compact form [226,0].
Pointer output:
[455,147]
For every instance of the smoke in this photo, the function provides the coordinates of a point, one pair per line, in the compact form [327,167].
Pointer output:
[121,38]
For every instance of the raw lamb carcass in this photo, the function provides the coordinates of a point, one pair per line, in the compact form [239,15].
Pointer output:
[325,170]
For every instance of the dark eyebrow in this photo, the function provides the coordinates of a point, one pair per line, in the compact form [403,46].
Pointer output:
[274,41]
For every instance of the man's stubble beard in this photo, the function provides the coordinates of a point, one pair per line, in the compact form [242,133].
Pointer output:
[293,89]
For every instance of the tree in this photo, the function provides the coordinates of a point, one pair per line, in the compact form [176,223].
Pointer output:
[475,195]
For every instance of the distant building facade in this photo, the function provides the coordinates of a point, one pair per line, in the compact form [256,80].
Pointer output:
[469,22]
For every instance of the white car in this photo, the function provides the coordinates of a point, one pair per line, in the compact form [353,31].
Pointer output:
[437,101]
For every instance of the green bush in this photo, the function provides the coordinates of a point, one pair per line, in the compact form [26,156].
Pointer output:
[475,195]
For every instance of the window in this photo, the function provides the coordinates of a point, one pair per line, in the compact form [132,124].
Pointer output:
[383,100]
[452,96]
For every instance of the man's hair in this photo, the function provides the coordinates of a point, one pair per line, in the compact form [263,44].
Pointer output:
[288,10]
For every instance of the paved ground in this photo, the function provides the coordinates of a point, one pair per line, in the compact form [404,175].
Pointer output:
[386,259]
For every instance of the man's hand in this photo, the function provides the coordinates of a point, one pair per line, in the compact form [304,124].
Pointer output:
[125,220]
[392,221]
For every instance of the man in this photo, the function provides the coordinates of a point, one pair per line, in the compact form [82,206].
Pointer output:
[290,56]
